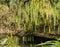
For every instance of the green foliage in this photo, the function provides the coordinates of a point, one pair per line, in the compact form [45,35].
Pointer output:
[33,13]
[49,44]
[30,15]
[9,41]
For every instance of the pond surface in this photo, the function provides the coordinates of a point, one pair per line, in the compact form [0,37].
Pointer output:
[34,41]
[27,41]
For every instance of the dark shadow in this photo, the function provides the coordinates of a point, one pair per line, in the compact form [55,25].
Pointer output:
[38,40]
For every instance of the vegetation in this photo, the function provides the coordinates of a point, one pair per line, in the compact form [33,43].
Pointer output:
[23,17]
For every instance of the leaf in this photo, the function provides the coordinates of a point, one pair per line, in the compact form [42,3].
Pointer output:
[4,41]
